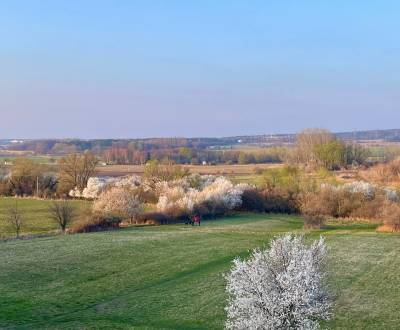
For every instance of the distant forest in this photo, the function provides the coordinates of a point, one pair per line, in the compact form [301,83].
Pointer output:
[227,150]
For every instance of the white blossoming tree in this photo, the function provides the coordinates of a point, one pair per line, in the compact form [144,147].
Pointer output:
[180,196]
[119,201]
[279,288]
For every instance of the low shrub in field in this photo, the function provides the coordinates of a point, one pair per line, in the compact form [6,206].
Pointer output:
[211,209]
[391,217]
[384,173]
[370,208]
[314,221]
[279,288]
[253,201]
[155,218]
[280,200]
[5,187]
[314,210]
[91,222]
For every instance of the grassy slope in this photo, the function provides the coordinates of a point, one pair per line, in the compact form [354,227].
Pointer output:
[171,277]
[35,214]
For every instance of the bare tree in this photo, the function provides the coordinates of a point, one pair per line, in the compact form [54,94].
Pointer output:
[62,212]
[75,170]
[14,218]
[155,172]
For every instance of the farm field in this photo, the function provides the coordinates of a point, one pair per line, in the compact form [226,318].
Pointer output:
[35,213]
[171,277]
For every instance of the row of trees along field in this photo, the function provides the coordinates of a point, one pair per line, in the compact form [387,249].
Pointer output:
[314,147]
[311,145]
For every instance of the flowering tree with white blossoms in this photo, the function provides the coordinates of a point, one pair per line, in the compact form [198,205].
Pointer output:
[280,287]
[175,196]
[119,201]
[96,185]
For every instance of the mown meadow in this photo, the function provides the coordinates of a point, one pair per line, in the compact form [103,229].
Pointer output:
[35,216]
[171,277]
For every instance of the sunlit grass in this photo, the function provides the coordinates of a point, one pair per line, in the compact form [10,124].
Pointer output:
[171,277]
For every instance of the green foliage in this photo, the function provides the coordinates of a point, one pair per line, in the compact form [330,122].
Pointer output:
[288,177]
[331,155]
[356,154]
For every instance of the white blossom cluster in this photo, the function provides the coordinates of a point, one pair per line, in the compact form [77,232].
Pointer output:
[96,185]
[367,189]
[217,190]
[391,194]
[119,201]
[181,194]
[279,288]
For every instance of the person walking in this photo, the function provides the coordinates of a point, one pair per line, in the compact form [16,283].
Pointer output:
[197,219]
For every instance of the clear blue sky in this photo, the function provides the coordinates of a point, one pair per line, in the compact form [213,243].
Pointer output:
[98,69]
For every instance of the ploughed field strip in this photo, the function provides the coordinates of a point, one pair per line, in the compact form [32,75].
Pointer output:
[171,277]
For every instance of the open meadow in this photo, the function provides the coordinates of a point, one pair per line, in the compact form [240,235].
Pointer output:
[35,216]
[171,277]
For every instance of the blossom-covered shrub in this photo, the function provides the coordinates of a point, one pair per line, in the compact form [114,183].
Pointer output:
[391,195]
[96,185]
[362,187]
[355,187]
[118,201]
[219,193]
[279,288]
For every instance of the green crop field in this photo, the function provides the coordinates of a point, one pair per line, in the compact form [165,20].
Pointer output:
[35,216]
[171,277]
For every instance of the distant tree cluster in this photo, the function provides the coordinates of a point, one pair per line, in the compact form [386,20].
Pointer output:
[29,178]
[186,155]
[320,148]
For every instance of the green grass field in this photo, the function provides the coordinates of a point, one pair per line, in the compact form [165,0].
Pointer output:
[35,216]
[171,277]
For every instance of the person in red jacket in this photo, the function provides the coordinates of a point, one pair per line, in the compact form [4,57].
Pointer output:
[196,220]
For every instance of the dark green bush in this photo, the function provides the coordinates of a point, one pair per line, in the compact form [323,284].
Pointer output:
[252,201]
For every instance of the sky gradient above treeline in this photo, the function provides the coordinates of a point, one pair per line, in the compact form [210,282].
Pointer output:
[126,69]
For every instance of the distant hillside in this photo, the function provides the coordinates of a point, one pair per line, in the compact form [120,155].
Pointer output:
[64,146]
[390,135]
